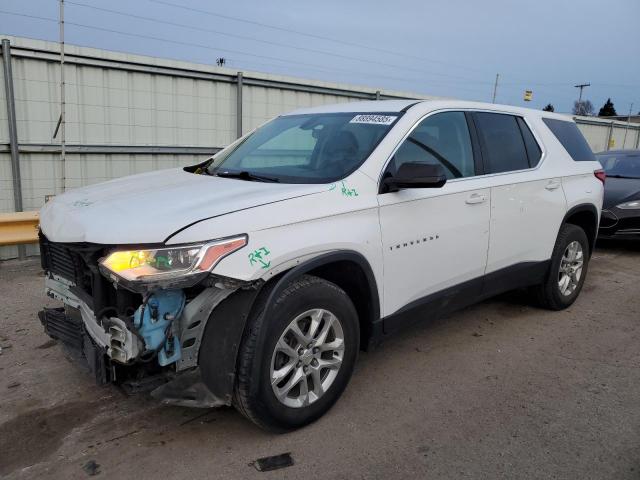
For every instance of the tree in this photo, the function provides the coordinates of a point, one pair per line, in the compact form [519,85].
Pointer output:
[607,109]
[585,107]
[549,108]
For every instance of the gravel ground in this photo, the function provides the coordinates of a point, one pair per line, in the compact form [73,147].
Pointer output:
[499,390]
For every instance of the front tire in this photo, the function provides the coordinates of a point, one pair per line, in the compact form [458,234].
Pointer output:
[297,355]
[567,271]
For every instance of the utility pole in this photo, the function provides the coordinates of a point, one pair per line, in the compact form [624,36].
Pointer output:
[62,100]
[495,88]
[581,87]
[627,126]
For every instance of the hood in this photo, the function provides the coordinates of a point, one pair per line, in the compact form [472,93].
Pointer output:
[149,207]
[620,190]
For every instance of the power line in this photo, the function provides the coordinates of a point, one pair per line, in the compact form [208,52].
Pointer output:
[269,42]
[311,35]
[208,47]
[405,79]
[367,47]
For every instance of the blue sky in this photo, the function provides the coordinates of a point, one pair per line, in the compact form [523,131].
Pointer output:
[441,47]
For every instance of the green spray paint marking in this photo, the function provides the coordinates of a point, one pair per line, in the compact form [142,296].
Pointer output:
[348,192]
[259,256]
[332,186]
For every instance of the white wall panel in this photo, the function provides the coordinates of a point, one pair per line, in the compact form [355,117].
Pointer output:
[596,135]
[4,126]
[6,184]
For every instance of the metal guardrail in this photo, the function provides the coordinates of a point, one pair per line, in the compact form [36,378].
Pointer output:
[19,228]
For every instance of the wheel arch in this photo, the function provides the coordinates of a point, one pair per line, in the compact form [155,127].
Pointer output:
[584,216]
[350,271]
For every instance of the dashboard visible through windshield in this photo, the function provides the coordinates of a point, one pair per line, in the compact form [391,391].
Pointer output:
[310,148]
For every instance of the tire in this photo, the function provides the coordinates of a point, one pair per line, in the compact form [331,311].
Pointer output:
[305,301]
[550,294]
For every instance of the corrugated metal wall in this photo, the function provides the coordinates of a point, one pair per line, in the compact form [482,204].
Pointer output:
[128,114]
[608,134]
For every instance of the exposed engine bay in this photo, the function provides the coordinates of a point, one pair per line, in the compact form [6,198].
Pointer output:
[143,340]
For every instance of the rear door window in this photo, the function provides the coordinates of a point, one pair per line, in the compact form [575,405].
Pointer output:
[503,147]
[571,139]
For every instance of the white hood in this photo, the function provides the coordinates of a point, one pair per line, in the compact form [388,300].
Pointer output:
[149,207]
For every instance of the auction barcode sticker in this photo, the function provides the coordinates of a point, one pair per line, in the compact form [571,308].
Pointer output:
[374,119]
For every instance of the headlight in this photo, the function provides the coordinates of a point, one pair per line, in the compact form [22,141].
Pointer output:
[171,264]
[632,205]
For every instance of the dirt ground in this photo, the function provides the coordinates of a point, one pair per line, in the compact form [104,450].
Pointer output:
[499,390]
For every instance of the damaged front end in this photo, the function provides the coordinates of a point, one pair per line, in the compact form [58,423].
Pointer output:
[138,318]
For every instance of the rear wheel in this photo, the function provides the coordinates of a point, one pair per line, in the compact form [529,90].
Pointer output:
[567,271]
[297,356]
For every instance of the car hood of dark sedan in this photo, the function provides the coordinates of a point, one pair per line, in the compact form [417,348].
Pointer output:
[620,190]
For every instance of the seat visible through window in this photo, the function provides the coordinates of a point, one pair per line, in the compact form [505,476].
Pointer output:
[442,139]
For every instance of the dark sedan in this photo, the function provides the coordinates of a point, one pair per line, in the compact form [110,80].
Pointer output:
[621,208]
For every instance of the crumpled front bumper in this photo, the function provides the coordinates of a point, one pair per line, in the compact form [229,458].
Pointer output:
[65,325]
[108,347]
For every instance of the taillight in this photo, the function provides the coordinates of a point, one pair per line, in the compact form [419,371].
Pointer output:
[600,175]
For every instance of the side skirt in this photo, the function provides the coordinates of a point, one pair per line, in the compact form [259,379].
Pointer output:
[454,298]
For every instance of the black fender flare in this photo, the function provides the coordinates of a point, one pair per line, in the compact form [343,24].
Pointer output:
[325,259]
[226,326]
[585,207]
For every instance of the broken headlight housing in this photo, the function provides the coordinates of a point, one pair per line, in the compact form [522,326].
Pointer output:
[177,266]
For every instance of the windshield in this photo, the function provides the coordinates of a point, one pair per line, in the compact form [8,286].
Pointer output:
[314,148]
[621,165]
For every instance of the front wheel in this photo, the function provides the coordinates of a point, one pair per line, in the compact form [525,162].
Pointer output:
[297,355]
[567,271]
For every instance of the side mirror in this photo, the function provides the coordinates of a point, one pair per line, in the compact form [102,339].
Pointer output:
[416,175]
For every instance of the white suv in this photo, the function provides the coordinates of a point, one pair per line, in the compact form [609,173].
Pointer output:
[254,278]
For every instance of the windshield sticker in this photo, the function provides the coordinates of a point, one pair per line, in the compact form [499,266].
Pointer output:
[258,256]
[374,119]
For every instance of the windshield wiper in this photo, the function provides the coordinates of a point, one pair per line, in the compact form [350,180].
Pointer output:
[245,175]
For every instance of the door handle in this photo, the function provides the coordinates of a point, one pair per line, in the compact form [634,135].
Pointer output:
[475,198]
[552,184]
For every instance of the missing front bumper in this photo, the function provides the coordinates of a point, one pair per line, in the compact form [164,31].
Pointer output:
[69,330]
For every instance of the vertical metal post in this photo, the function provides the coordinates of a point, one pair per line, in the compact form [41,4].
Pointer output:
[377,94]
[239,106]
[610,136]
[13,133]
[63,122]
[627,126]
[495,88]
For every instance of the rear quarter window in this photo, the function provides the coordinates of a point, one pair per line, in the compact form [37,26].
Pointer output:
[571,139]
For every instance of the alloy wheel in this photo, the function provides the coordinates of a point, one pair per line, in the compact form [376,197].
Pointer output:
[570,268]
[307,358]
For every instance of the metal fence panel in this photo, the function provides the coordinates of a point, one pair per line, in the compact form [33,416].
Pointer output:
[6,184]
[4,126]
[596,135]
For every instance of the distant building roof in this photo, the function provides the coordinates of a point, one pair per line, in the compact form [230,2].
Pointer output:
[624,118]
